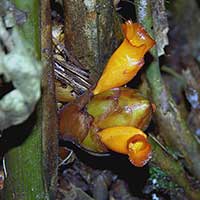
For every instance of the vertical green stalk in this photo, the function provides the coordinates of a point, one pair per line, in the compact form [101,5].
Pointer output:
[31,28]
[172,126]
[24,163]
[153,74]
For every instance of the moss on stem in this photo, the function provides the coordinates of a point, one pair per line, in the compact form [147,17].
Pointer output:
[173,169]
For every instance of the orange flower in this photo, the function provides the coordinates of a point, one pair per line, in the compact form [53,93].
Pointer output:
[127,59]
[139,150]
[127,140]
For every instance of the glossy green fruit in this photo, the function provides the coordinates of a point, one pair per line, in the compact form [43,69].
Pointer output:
[120,107]
[116,107]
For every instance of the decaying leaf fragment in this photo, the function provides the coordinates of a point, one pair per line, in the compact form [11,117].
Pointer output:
[24,71]
[72,78]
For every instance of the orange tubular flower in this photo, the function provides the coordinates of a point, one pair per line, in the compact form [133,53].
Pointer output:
[127,140]
[127,59]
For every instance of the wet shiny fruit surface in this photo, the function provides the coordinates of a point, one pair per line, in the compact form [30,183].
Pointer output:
[116,107]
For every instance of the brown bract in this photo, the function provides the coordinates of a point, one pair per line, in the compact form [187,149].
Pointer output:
[74,122]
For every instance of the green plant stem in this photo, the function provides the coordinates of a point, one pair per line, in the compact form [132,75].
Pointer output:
[28,165]
[172,126]
[174,74]
[30,29]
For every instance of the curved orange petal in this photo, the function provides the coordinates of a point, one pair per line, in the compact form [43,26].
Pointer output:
[136,35]
[116,138]
[139,150]
[127,60]
[127,140]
